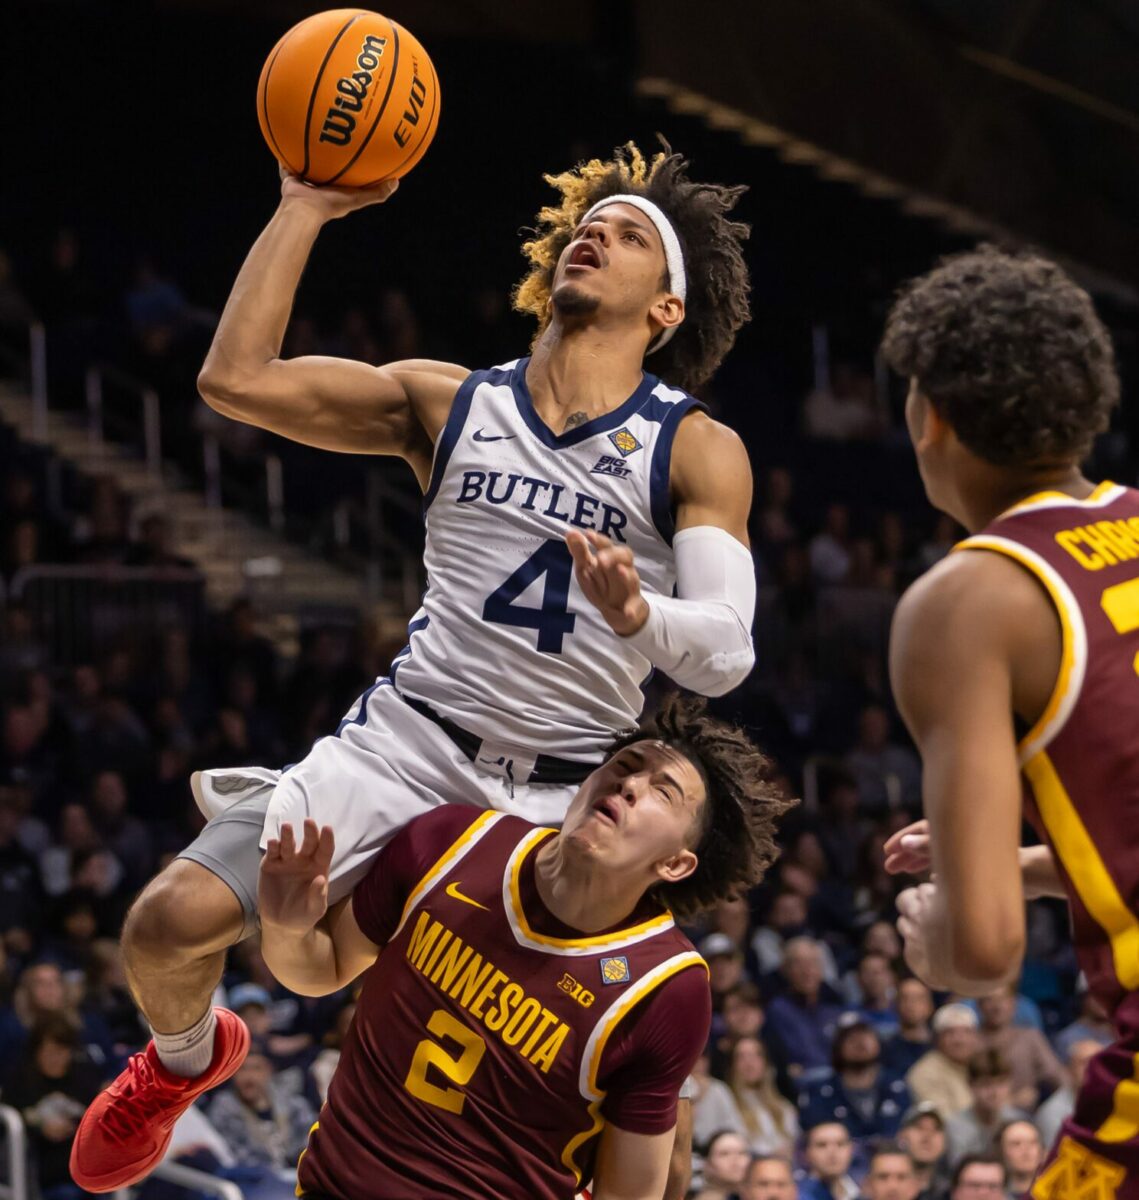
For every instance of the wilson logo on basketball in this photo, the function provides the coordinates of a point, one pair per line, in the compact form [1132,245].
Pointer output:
[339,124]
[415,100]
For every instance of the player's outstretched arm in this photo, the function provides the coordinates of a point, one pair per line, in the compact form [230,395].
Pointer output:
[631,1166]
[310,948]
[951,652]
[702,637]
[331,403]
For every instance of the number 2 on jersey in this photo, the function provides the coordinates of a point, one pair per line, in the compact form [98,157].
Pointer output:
[458,1070]
[552,620]
[1121,604]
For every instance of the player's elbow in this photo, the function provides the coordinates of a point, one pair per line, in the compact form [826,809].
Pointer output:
[989,957]
[220,389]
[727,671]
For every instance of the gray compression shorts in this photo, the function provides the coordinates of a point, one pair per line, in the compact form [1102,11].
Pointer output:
[229,846]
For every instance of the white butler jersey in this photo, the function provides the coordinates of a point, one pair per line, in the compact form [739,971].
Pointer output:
[506,645]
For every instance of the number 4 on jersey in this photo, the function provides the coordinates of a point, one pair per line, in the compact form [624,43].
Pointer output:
[553,620]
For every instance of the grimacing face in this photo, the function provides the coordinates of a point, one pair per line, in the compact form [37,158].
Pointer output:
[613,266]
[639,813]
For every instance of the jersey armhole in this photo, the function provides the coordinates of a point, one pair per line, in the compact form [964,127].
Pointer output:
[660,470]
[1074,641]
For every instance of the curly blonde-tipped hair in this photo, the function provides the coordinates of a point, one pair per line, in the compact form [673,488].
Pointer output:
[718,286]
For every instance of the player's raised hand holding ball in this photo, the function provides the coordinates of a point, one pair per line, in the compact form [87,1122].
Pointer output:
[348,102]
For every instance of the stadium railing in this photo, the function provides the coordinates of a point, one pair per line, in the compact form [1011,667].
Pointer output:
[78,611]
[192,1180]
[16,1185]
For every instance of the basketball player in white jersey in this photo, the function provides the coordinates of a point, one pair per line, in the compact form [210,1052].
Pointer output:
[568,495]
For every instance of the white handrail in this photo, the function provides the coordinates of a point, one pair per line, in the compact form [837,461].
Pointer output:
[190,1178]
[17,1187]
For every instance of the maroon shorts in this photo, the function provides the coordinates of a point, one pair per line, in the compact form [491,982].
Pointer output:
[1096,1155]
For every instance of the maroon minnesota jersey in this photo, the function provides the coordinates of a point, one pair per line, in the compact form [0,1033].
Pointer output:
[1080,760]
[491,1043]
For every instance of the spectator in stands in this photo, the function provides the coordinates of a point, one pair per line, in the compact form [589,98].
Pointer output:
[891,1174]
[741,1015]
[1060,1105]
[726,1160]
[801,1021]
[1092,1024]
[714,1108]
[322,1068]
[153,548]
[20,895]
[978,1177]
[725,965]
[923,1134]
[829,551]
[858,1092]
[238,643]
[1019,1147]
[946,533]
[124,835]
[888,774]
[50,1085]
[774,526]
[941,1076]
[261,1126]
[75,835]
[40,993]
[1035,1069]
[769,1177]
[974,1129]
[100,534]
[914,1004]
[828,1153]
[108,996]
[770,1123]
[844,410]
[786,919]
[71,931]
[877,992]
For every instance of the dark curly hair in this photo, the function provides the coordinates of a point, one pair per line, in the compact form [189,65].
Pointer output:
[1010,351]
[716,306]
[735,837]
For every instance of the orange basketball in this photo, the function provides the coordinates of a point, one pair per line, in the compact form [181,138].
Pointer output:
[348,97]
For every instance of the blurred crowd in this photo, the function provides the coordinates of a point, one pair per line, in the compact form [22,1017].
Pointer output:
[829,1074]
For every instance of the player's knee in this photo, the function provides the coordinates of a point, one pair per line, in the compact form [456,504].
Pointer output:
[184,913]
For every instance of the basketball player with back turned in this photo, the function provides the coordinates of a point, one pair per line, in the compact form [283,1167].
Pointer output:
[1015,663]
[586,523]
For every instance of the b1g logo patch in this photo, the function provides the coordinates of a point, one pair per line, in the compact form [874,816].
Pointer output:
[615,970]
[625,442]
[578,991]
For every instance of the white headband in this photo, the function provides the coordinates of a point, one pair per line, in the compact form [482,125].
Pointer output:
[673,256]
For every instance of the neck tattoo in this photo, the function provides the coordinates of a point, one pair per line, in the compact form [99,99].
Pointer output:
[575,419]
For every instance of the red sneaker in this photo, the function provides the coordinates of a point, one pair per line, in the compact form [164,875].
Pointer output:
[125,1131]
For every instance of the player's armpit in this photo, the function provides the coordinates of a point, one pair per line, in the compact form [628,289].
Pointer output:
[340,404]
[631,1166]
[354,951]
[956,635]
[711,477]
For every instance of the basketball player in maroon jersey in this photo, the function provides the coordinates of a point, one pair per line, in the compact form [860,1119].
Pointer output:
[1015,662]
[535,1008]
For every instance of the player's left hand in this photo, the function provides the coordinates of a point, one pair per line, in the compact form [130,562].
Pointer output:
[606,574]
[915,912]
[292,888]
[908,851]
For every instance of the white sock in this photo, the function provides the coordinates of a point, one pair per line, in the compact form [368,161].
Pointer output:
[190,1052]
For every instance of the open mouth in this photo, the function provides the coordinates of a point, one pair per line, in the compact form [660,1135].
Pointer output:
[609,807]
[585,254]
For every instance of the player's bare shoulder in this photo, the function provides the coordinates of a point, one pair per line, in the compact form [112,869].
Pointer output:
[975,605]
[711,474]
[431,387]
